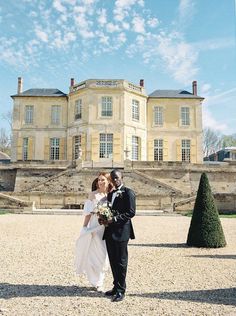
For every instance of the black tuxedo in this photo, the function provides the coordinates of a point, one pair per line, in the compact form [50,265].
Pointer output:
[118,233]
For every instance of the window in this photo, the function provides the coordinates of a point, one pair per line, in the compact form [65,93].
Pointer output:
[186,154]
[55,114]
[106,106]
[77,146]
[78,109]
[158,115]
[54,148]
[135,110]
[135,148]
[25,148]
[185,118]
[106,146]
[29,114]
[158,149]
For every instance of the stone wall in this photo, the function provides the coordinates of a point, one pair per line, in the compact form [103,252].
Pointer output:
[157,185]
[7,178]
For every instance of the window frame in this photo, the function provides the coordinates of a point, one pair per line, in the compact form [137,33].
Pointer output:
[106,106]
[135,110]
[106,145]
[55,148]
[25,149]
[158,149]
[78,109]
[185,116]
[186,150]
[158,116]
[76,146]
[55,114]
[29,114]
[135,154]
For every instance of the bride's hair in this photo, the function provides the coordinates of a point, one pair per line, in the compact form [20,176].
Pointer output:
[107,176]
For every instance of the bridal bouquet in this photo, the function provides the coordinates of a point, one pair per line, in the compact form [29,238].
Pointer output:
[104,212]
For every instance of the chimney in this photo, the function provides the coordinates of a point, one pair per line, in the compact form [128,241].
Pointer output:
[20,85]
[72,82]
[194,85]
[141,83]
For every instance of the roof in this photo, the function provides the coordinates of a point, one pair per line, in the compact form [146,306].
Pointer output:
[4,156]
[41,93]
[173,94]
[230,148]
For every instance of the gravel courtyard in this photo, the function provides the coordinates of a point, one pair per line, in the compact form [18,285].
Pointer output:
[165,277]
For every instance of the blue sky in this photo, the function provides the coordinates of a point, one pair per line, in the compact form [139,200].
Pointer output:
[168,43]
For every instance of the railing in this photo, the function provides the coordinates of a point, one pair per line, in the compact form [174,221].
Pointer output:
[107,83]
[102,164]
[78,87]
[134,87]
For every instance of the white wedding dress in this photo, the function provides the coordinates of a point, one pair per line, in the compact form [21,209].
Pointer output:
[91,255]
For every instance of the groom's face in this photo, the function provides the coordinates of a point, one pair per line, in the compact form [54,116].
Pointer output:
[116,178]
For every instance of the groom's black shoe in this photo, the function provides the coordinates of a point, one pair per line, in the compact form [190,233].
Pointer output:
[111,292]
[118,297]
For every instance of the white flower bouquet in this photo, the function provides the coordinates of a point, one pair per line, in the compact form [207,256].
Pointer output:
[104,212]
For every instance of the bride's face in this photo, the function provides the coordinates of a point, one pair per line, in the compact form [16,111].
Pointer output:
[102,182]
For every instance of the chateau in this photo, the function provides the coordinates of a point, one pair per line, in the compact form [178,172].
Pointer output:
[62,140]
[104,120]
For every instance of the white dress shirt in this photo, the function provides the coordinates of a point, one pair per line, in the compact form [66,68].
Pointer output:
[114,194]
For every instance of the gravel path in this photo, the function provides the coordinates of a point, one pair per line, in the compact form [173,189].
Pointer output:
[164,276]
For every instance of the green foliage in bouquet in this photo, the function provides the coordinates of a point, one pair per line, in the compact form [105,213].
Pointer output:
[205,227]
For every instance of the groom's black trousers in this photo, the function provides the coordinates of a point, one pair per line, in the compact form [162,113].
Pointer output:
[118,257]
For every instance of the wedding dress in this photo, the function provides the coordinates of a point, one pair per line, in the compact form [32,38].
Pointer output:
[91,255]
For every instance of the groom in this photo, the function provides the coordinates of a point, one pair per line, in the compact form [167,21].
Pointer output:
[117,233]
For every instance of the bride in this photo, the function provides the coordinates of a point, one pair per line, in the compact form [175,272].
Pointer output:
[91,254]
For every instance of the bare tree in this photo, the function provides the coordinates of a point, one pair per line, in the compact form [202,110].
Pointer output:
[212,141]
[8,117]
[5,134]
[5,141]
[228,141]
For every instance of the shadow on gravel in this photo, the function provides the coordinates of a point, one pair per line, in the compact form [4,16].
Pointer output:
[217,296]
[215,256]
[160,245]
[30,290]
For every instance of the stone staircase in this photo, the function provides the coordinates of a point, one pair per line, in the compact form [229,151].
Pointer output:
[11,202]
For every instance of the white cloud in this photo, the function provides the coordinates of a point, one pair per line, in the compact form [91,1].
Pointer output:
[180,58]
[122,8]
[86,34]
[122,38]
[152,22]
[102,17]
[222,95]
[103,39]
[210,122]
[205,88]
[125,25]
[58,6]
[186,12]
[112,27]
[214,44]
[41,35]
[138,24]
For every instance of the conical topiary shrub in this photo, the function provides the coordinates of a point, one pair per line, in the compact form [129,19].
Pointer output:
[205,229]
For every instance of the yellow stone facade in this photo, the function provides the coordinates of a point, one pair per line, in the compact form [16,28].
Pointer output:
[103,121]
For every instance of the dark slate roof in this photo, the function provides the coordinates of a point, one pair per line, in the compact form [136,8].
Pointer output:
[41,93]
[173,94]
